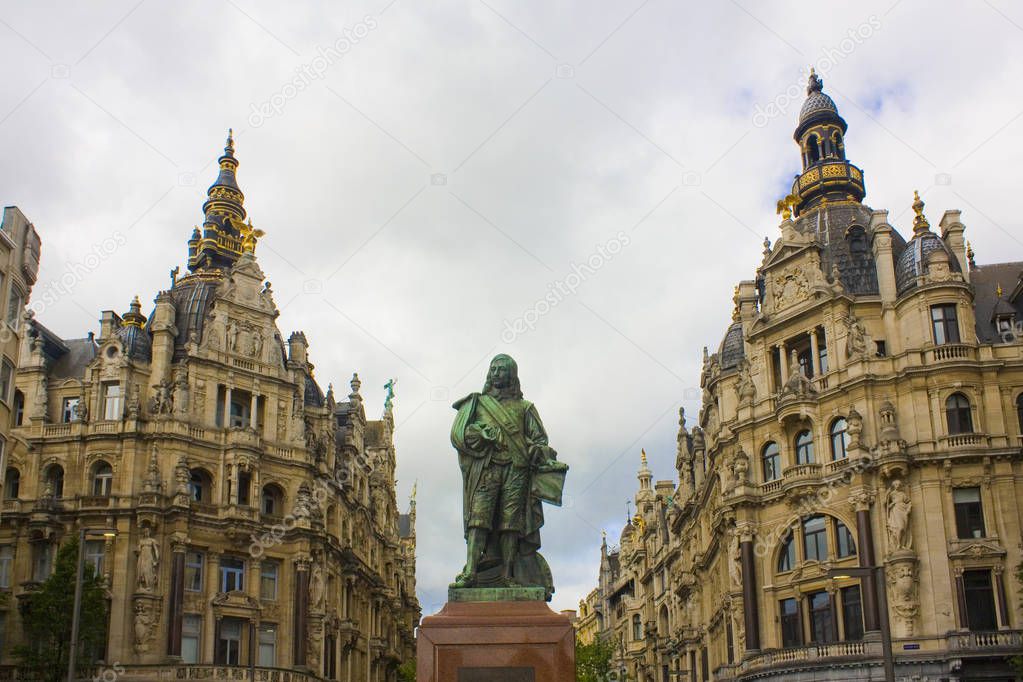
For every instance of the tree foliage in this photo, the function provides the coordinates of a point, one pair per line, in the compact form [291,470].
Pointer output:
[593,661]
[407,671]
[46,619]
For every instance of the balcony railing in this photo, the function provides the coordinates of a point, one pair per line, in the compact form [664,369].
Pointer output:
[953,351]
[1009,640]
[965,441]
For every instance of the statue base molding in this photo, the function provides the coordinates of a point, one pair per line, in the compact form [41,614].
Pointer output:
[491,641]
[469,594]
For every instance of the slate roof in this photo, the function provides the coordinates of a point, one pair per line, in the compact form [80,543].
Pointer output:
[137,342]
[912,262]
[404,526]
[732,347]
[985,280]
[192,299]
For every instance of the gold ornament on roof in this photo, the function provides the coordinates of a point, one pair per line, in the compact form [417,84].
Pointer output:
[920,223]
[785,206]
[249,235]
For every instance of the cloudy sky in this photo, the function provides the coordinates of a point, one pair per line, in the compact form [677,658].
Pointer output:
[427,173]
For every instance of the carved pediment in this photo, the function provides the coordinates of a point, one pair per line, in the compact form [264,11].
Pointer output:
[975,549]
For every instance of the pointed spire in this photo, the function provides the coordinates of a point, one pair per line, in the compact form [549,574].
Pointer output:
[920,224]
[814,83]
[970,256]
[229,146]
[224,230]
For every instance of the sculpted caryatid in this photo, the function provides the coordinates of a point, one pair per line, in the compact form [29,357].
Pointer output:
[508,471]
[898,507]
[148,562]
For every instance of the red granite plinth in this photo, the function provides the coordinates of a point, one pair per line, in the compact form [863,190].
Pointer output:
[506,641]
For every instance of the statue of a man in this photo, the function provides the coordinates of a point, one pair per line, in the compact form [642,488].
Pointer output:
[508,470]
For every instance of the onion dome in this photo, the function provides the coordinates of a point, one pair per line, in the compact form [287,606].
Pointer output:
[732,348]
[912,263]
[818,105]
[132,334]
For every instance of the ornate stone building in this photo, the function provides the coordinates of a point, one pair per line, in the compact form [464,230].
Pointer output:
[255,514]
[19,267]
[863,412]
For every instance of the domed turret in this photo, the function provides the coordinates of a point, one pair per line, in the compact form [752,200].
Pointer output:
[912,263]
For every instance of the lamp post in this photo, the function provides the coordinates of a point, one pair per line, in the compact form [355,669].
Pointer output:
[877,574]
[73,651]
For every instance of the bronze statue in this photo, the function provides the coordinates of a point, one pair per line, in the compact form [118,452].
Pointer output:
[508,471]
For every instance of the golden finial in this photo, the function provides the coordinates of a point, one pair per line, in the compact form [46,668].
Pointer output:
[415,487]
[229,147]
[920,223]
[969,256]
[642,456]
[785,205]
[249,235]
[998,290]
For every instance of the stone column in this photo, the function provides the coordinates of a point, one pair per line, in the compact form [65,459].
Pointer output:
[1003,604]
[815,352]
[227,406]
[176,596]
[751,616]
[254,412]
[964,619]
[783,364]
[301,619]
[865,540]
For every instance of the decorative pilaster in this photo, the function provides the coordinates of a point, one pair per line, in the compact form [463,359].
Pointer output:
[751,616]
[301,620]
[176,595]
[861,500]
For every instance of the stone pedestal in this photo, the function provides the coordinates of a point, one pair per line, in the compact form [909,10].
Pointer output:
[496,641]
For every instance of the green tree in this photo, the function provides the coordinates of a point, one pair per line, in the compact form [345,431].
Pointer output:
[407,671]
[46,619]
[593,661]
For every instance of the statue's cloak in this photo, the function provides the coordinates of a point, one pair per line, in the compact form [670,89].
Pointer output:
[545,482]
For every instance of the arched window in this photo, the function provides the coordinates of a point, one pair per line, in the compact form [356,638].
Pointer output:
[839,438]
[1019,411]
[662,621]
[813,149]
[771,458]
[787,556]
[12,483]
[804,448]
[55,480]
[200,486]
[19,407]
[272,501]
[839,146]
[857,239]
[102,479]
[958,415]
[637,627]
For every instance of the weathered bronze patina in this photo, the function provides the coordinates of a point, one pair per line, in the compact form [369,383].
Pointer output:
[508,472]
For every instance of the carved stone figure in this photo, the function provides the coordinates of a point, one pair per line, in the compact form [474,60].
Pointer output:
[856,338]
[902,584]
[134,406]
[232,336]
[143,626]
[735,560]
[854,426]
[82,409]
[744,387]
[798,384]
[182,476]
[508,470]
[740,467]
[212,338]
[180,385]
[256,345]
[41,399]
[898,506]
[147,566]
[317,587]
[161,402]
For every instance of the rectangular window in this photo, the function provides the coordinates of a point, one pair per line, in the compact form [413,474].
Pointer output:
[6,380]
[69,410]
[267,645]
[193,571]
[232,572]
[42,560]
[112,401]
[6,565]
[94,551]
[846,546]
[852,613]
[945,324]
[980,601]
[791,623]
[14,307]
[191,636]
[969,513]
[268,580]
[822,628]
[244,487]
[229,644]
[815,539]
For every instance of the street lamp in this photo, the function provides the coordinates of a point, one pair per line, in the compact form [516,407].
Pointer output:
[82,534]
[877,574]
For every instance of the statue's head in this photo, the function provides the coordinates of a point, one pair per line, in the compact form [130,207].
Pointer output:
[503,378]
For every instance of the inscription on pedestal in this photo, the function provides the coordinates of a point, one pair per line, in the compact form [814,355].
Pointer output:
[496,675]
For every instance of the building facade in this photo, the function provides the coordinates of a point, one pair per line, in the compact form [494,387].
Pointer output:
[855,468]
[255,514]
[19,267]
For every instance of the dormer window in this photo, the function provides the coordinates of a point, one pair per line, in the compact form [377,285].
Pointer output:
[857,238]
